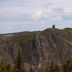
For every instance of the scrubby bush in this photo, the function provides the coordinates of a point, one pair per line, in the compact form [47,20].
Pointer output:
[66,67]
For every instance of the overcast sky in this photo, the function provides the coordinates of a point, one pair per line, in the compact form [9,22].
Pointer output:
[32,15]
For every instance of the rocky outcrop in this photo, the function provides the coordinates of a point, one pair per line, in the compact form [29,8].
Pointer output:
[37,48]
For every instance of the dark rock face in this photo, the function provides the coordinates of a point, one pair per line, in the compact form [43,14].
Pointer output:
[51,45]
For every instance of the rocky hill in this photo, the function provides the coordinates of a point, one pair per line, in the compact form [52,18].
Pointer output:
[37,48]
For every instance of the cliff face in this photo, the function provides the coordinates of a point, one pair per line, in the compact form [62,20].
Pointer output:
[37,48]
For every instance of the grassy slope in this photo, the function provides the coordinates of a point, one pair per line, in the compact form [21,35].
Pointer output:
[68,30]
[28,35]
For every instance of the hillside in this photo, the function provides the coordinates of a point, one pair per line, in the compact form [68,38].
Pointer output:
[37,48]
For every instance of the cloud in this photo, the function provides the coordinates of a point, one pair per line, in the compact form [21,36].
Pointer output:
[59,10]
[55,19]
[37,15]
[30,13]
[52,15]
[68,11]
[61,5]
[5,0]
[17,7]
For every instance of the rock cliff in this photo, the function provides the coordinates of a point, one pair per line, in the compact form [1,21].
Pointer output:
[37,48]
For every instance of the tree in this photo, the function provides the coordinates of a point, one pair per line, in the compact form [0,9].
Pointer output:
[18,61]
[8,67]
[53,68]
[67,67]
[50,68]
[57,68]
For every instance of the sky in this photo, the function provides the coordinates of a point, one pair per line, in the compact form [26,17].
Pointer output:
[34,15]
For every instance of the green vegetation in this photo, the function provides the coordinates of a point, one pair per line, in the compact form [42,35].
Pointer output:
[21,36]
[8,68]
[68,30]
[66,67]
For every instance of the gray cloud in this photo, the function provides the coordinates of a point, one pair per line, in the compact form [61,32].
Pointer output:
[23,18]
[16,15]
